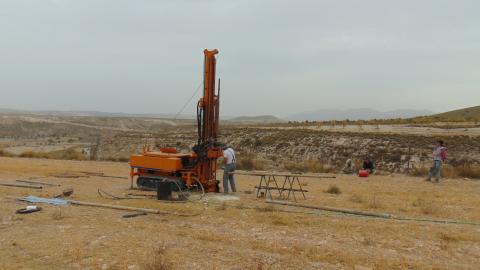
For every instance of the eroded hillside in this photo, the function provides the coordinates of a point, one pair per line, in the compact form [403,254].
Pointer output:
[262,148]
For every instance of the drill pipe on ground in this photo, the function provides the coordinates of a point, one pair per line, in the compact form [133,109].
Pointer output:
[117,207]
[38,183]
[21,186]
[331,209]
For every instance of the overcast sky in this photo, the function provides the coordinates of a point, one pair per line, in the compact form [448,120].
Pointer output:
[276,57]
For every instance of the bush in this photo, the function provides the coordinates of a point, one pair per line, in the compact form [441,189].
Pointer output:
[313,166]
[158,260]
[32,154]
[118,159]
[123,159]
[420,171]
[448,171]
[333,189]
[69,154]
[468,171]
[4,153]
[249,162]
[72,154]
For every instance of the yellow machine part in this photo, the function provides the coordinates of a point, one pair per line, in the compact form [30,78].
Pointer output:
[166,164]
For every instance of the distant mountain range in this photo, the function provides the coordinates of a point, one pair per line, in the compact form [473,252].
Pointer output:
[257,119]
[94,114]
[318,115]
[356,114]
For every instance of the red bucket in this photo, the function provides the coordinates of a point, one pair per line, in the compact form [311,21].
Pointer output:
[363,173]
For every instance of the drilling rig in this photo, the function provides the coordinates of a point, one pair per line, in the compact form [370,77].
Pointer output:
[187,170]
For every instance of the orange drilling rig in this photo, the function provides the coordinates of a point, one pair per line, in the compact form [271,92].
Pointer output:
[187,170]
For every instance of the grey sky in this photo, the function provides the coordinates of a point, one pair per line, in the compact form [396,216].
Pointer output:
[276,57]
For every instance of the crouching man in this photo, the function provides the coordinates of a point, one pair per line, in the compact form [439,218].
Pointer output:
[349,167]
[228,176]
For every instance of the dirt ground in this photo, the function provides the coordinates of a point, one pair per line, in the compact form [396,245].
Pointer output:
[246,233]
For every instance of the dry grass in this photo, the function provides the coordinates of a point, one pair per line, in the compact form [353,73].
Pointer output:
[466,170]
[158,260]
[221,207]
[57,214]
[240,205]
[267,208]
[375,202]
[356,198]
[452,239]
[368,241]
[280,220]
[449,237]
[458,236]
[241,237]
[427,207]
[68,154]
[210,237]
[448,171]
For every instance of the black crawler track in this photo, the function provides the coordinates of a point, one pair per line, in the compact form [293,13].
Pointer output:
[150,183]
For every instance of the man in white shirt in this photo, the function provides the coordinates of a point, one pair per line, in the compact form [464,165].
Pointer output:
[229,158]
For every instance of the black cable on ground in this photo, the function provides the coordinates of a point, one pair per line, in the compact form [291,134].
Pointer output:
[184,194]
[107,195]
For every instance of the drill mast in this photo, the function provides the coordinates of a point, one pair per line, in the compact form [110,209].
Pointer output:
[207,147]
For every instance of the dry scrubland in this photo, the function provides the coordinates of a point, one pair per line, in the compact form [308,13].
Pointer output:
[303,147]
[238,234]
[244,233]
